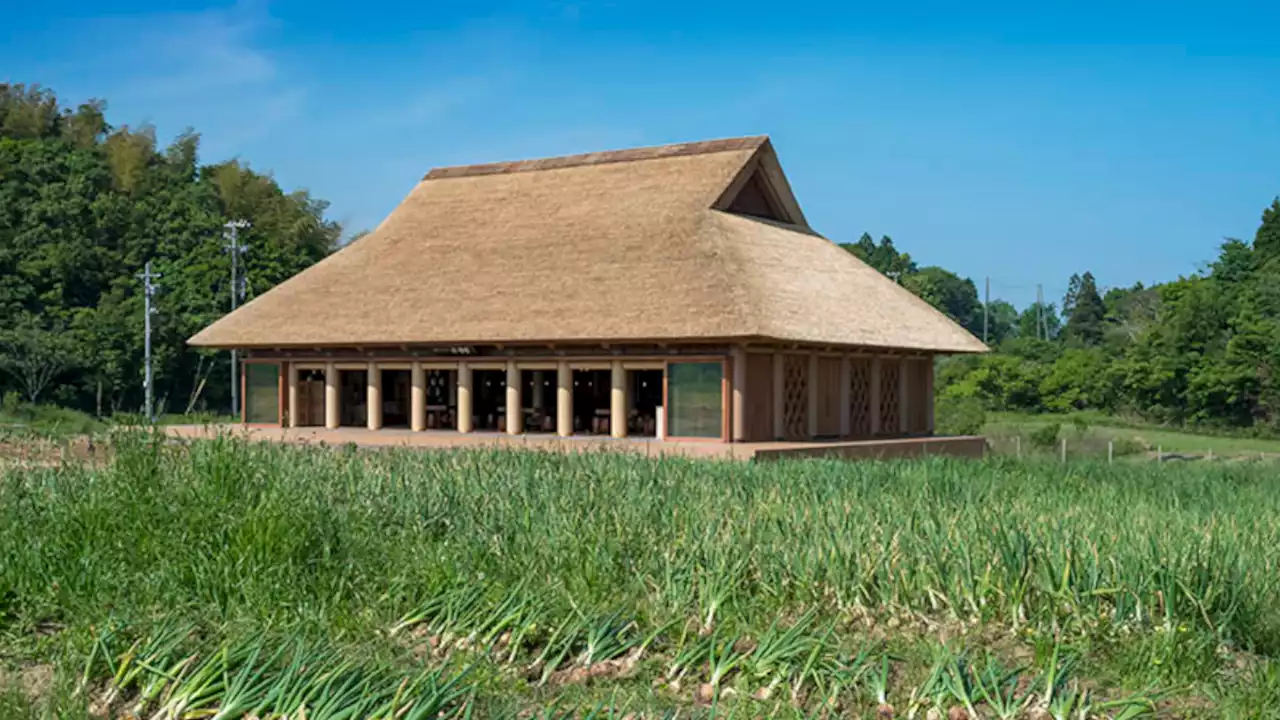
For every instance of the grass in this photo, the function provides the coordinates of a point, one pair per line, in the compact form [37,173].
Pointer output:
[1099,429]
[222,577]
[18,418]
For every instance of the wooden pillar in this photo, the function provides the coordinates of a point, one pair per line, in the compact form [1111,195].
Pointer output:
[515,410]
[618,400]
[418,398]
[373,402]
[874,400]
[564,400]
[846,416]
[779,398]
[928,394]
[904,397]
[738,391]
[812,386]
[293,395]
[464,398]
[332,413]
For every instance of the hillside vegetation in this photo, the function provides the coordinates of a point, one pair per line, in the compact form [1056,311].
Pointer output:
[84,205]
[1201,351]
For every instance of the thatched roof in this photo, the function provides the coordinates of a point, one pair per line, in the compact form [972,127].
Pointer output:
[633,245]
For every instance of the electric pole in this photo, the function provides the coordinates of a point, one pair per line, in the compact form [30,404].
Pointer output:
[232,234]
[148,294]
[986,310]
[1042,332]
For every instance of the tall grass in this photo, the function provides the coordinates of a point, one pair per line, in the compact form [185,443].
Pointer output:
[778,573]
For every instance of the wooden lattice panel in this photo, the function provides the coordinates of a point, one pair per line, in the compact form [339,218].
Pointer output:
[795,396]
[860,397]
[918,386]
[890,407]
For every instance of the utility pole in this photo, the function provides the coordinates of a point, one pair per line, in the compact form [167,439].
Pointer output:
[148,294]
[986,310]
[232,234]
[1041,331]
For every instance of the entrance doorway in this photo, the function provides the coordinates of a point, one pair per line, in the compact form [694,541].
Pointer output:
[645,390]
[353,398]
[591,389]
[539,397]
[396,394]
[442,399]
[489,400]
[310,398]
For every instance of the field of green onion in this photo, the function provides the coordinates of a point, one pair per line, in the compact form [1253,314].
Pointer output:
[223,579]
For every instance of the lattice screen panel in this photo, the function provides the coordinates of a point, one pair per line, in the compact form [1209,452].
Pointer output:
[890,410]
[795,396]
[860,397]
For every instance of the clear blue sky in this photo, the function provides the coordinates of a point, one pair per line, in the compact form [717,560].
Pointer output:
[1006,140]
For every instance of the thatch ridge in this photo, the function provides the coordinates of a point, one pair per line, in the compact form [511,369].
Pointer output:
[599,158]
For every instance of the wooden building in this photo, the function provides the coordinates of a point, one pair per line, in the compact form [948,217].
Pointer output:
[674,291]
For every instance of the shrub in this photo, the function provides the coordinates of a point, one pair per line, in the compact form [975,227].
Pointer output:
[959,415]
[1045,436]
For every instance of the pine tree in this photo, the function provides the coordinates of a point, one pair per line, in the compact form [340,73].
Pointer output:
[1087,312]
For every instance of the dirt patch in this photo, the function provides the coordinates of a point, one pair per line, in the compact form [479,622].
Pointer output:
[617,668]
[34,681]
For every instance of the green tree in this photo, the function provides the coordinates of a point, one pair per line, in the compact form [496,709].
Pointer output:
[1085,312]
[882,256]
[955,296]
[1002,322]
[1266,243]
[83,206]
[1029,322]
[35,355]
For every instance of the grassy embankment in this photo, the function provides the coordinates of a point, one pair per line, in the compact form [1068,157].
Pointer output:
[223,577]
[1089,433]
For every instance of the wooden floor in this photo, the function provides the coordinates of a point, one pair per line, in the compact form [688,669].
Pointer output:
[960,446]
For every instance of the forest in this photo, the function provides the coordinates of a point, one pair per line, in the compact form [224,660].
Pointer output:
[1200,351]
[84,205]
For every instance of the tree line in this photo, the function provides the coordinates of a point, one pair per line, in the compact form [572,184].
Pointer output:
[84,205]
[1201,350]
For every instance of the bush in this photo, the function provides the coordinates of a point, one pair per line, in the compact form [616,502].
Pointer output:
[959,415]
[1126,445]
[1045,436]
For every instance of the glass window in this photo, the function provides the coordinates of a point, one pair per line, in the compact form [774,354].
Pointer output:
[694,399]
[261,393]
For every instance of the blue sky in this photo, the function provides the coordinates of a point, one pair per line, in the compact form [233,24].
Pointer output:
[1006,140]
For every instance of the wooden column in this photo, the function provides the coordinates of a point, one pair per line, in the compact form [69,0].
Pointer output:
[846,417]
[617,400]
[779,398]
[904,396]
[813,395]
[874,392]
[293,395]
[928,395]
[738,392]
[515,410]
[332,412]
[373,401]
[464,398]
[564,400]
[418,398]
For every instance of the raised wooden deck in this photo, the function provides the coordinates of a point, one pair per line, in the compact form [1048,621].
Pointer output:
[970,446]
